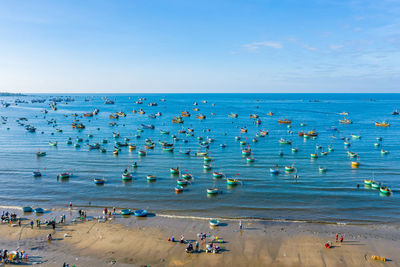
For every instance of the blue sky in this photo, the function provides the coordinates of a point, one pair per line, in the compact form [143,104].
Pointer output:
[200,46]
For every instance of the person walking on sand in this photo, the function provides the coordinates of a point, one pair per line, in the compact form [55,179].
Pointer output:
[240,225]
[337,237]
[341,239]
[31,224]
[70,204]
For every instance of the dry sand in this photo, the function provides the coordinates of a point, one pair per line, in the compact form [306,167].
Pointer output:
[137,242]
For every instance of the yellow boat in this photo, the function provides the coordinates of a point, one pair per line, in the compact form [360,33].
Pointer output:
[201,116]
[285,121]
[382,124]
[355,164]
[132,147]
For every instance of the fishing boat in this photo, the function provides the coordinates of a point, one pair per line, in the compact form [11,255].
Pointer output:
[53,143]
[356,136]
[142,153]
[177,120]
[379,138]
[185,114]
[140,213]
[77,145]
[254,140]
[284,121]
[385,190]
[243,130]
[150,146]
[212,191]
[250,159]
[126,212]
[345,121]
[178,189]
[201,154]
[368,182]
[322,169]
[206,158]
[346,143]
[376,185]
[147,126]
[151,178]
[232,181]
[187,176]
[324,153]
[207,167]
[174,170]
[263,133]
[126,176]
[294,150]
[355,164]
[344,113]
[98,180]
[103,150]
[214,222]
[69,142]
[185,152]
[285,142]
[168,148]
[352,154]
[246,152]
[243,143]
[330,149]
[254,116]
[37,174]
[377,144]
[132,147]
[38,210]
[94,146]
[64,175]
[289,168]
[27,209]
[395,112]
[384,152]
[233,115]
[274,170]
[218,174]
[181,182]
[382,124]
[270,114]
[201,116]
[314,155]
[164,132]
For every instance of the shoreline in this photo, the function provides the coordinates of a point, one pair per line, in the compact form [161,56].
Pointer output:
[132,241]
[57,210]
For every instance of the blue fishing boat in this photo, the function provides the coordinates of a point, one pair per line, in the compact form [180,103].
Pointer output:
[214,222]
[27,209]
[140,213]
[38,210]
[98,180]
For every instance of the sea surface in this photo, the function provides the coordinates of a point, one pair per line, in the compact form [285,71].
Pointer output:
[314,196]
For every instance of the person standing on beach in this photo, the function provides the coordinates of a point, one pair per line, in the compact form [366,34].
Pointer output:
[70,204]
[240,225]
[31,224]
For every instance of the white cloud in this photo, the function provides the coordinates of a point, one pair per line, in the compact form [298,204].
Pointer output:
[336,47]
[255,46]
[308,47]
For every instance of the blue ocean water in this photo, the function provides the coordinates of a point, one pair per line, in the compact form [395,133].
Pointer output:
[332,196]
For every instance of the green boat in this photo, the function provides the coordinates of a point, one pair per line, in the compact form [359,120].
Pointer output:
[384,152]
[126,212]
[368,182]
[186,176]
[64,175]
[53,143]
[385,190]
[217,174]
[168,148]
[206,167]
[151,178]
[289,168]
[174,170]
[250,159]
[377,144]
[232,181]
[294,150]
[322,169]
[212,191]
[207,158]
[375,185]
[314,155]
[181,182]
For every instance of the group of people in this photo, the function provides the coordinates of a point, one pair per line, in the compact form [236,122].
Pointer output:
[210,247]
[329,243]
[8,217]
[13,256]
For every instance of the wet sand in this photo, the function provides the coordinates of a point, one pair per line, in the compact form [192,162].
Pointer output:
[143,241]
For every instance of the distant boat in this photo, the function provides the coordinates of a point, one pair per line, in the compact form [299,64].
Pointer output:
[140,213]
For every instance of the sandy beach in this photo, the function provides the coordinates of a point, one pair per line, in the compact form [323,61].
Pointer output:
[132,241]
